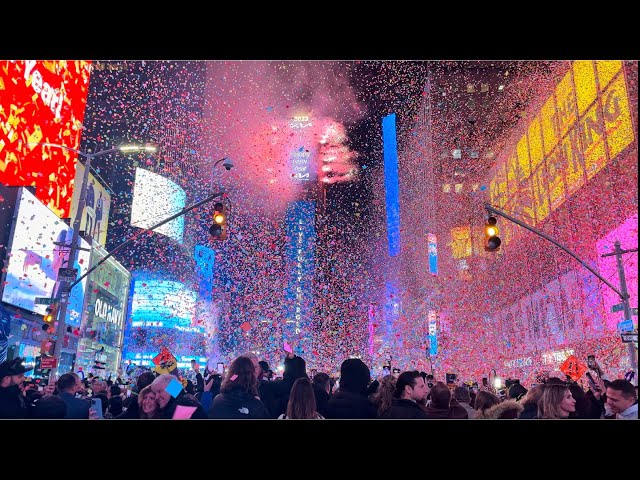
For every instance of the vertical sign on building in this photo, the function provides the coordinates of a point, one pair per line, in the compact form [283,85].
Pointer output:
[433,253]
[392,190]
[205,261]
[301,235]
[433,330]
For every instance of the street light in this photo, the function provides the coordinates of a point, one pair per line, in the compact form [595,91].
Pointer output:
[494,379]
[64,290]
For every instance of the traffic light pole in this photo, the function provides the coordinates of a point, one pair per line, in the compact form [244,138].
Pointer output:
[624,294]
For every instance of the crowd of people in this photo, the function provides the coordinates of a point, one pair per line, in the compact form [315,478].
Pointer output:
[248,391]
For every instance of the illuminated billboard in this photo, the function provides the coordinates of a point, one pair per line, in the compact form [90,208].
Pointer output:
[432,242]
[95,218]
[391,186]
[159,303]
[156,198]
[37,251]
[583,125]
[42,101]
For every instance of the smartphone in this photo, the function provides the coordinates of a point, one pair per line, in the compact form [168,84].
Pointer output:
[128,392]
[591,362]
[386,370]
[221,368]
[96,404]
[451,378]
[485,382]
[592,382]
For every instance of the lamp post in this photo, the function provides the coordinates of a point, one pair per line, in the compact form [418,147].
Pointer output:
[62,296]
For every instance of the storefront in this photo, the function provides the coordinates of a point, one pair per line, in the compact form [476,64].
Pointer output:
[100,346]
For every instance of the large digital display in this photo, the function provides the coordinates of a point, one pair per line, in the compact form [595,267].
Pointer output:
[158,303]
[391,186]
[42,101]
[37,251]
[154,199]
[95,217]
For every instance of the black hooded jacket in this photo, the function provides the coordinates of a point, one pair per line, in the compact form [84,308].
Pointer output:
[12,403]
[275,395]
[350,405]
[237,404]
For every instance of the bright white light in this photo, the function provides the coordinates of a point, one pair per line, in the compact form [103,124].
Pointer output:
[500,88]
[329,159]
[325,179]
[136,148]
[497,383]
[281,368]
[326,168]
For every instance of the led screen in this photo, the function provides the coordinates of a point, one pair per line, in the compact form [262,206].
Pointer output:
[34,258]
[154,199]
[163,304]
[42,101]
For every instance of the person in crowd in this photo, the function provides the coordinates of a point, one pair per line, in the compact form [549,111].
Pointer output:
[484,400]
[556,402]
[115,407]
[132,404]
[199,385]
[530,402]
[114,391]
[622,400]
[351,401]
[383,396]
[12,403]
[265,376]
[442,405]
[587,406]
[67,386]
[302,402]
[238,397]
[516,391]
[49,407]
[104,401]
[461,395]
[410,390]
[167,403]
[98,386]
[275,395]
[147,405]
[321,387]
[508,408]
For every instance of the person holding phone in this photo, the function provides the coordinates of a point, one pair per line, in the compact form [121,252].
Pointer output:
[76,407]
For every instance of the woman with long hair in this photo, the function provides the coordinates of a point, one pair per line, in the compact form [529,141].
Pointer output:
[556,402]
[383,396]
[302,402]
[484,401]
[238,397]
[147,405]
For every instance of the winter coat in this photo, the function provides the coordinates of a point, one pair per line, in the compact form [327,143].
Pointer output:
[12,403]
[350,405]
[454,412]
[322,400]
[237,404]
[529,411]
[77,408]
[402,408]
[275,396]
[507,409]
[186,400]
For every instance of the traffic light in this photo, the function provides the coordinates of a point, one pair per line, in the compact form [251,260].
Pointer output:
[51,313]
[492,241]
[218,229]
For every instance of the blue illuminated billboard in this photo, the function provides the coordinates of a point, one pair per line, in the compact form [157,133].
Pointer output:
[391,186]
[432,243]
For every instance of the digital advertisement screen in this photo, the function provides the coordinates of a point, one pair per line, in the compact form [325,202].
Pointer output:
[95,217]
[391,185]
[154,199]
[34,259]
[42,101]
[163,304]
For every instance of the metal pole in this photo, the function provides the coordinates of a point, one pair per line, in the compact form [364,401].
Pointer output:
[64,290]
[547,237]
[625,299]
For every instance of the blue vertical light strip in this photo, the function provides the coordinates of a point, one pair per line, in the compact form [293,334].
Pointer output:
[391,313]
[433,253]
[205,259]
[392,189]
[301,248]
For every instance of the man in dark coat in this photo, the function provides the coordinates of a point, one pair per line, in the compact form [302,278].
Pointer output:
[410,391]
[76,407]
[12,402]
[351,401]
[442,406]
[275,395]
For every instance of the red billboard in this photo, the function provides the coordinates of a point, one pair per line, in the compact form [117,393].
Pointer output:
[42,101]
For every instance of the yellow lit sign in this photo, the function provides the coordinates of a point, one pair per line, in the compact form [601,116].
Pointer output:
[617,117]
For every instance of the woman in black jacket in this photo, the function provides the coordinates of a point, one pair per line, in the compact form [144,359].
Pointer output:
[238,396]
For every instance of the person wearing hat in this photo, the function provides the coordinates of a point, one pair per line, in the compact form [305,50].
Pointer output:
[12,402]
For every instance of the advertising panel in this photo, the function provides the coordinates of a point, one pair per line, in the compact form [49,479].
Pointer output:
[391,185]
[154,199]
[163,304]
[42,101]
[39,248]
[95,218]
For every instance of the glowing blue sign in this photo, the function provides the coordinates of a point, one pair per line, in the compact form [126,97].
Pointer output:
[392,189]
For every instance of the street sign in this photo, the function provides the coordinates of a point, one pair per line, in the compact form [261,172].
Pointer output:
[48,362]
[629,337]
[67,274]
[618,307]
[634,311]
[626,326]
[45,301]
